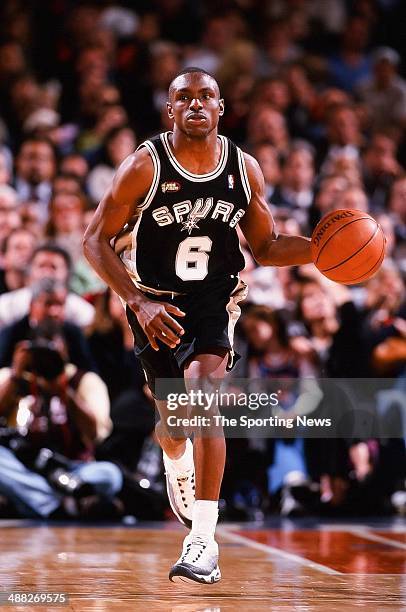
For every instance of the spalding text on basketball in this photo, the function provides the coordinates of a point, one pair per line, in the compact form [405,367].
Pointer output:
[322,230]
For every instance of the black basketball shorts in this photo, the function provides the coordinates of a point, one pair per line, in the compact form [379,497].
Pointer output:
[211,314]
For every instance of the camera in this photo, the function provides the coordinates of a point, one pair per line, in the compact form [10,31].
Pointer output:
[56,469]
[47,362]
[8,436]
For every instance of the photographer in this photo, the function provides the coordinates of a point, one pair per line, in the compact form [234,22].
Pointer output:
[48,261]
[48,304]
[59,412]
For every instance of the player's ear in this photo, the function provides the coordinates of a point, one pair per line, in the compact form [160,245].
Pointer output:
[170,111]
[221,105]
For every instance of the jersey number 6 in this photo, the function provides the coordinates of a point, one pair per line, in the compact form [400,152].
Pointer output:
[192,258]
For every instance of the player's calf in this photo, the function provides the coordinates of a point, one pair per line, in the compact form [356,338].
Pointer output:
[180,484]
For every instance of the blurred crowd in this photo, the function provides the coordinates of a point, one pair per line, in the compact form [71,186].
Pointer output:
[316,92]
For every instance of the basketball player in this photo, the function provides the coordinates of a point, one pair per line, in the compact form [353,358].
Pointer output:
[172,213]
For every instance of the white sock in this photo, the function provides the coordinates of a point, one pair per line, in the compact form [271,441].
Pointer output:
[185,462]
[204,518]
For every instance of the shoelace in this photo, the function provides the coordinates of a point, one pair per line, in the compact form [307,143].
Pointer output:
[181,483]
[196,547]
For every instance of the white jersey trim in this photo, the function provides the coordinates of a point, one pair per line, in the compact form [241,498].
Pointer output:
[197,178]
[238,294]
[157,172]
[129,256]
[244,176]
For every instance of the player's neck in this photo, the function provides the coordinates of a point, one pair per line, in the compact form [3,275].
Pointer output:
[197,155]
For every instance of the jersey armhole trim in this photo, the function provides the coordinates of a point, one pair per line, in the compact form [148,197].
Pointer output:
[157,171]
[244,176]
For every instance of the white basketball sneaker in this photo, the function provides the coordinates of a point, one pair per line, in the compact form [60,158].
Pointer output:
[198,561]
[181,487]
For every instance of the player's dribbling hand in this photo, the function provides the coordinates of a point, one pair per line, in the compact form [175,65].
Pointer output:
[157,323]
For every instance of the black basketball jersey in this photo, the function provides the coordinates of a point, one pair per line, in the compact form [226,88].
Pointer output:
[184,232]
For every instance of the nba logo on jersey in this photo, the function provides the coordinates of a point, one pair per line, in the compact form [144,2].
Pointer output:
[231,181]
[171,186]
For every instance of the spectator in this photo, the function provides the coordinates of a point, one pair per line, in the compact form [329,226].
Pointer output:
[331,14]
[217,36]
[35,169]
[268,159]
[30,218]
[272,355]
[345,164]
[384,94]
[12,62]
[67,183]
[239,59]
[343,133]
[273,92]
[119,143]
[351,64]
[111,342]
[296,188]
[81,25]
[354,198]
[266,125]
[5,166]
[74,165]
[328,197]
[48,261]
[147,98]
[41,123]
[279,49]
[65,226]
[57,460]
[397,204]
[286,224]
[9,217]
[47,308]
[334,330]
[303,100]
[90,142]
[387,224]
[238,97]
[90,88]
[17,252]
[385,325]
[380,168]
[24,95]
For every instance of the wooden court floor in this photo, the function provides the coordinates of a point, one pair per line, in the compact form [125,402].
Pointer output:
[339,567]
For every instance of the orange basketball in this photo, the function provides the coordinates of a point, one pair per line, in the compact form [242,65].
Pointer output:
[348,246]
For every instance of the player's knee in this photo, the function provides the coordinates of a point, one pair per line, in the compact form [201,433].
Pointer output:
[208,366]
[170,436]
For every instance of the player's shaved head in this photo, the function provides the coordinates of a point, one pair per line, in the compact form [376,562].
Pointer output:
[177,80]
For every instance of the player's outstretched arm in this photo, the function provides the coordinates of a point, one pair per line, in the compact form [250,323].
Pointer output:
[130,185]
[258,227]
